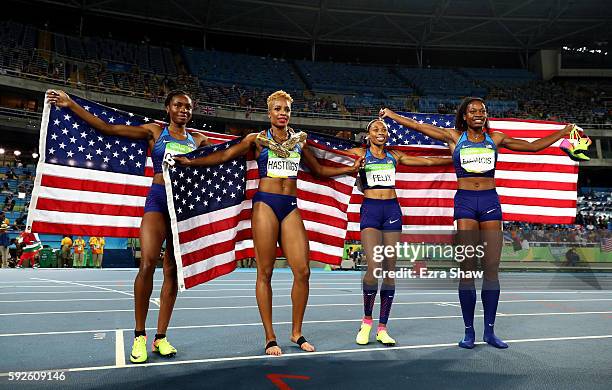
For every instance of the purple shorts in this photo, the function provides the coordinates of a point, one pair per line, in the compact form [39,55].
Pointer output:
[480,206]
[156,199]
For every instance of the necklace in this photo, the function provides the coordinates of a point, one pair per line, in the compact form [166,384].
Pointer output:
[280,142]
[477,137]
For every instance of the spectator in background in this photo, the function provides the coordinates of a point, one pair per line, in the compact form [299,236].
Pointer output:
[9,203]
[5,188]
[571,257]
[79,252]
[4,240]
[65,254]
[525,244]
[11,174]
[12,251]
[97,250]
[20,222]
[31,247]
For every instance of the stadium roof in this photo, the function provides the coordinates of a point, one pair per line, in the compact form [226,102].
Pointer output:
[494,24]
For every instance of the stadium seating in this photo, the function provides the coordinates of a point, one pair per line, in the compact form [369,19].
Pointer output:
[231,68]
[347,78]
[150,71]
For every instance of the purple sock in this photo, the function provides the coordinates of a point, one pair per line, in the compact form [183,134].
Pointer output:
[490,299]
[369,297]
[387,291]
[467,299]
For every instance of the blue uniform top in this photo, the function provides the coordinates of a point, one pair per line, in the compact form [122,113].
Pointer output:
[166,143]
[378,172]
[270,164]
[475,159]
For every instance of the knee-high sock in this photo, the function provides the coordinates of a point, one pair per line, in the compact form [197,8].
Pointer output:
[387,292]
[467,299]
[490,299]
[369,297]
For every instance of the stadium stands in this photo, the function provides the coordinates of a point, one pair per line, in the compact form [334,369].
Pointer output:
[239,80]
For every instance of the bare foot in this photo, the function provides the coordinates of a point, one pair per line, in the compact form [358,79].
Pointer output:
[305,346]
[273,350]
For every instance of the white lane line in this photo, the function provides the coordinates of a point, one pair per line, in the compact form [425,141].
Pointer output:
[398,287]
[58,292]
[323,353]
[119,349]
[92,286]
[237,325]
[452,304]
[186,295]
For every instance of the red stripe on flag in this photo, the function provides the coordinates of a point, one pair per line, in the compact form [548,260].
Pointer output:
[426,185]
[529,167]
[85,230]
[206,276]
[322,218]
[536,184]
[325,258]
[208,229]
[88,208]
[93,186]
[560,203]
[533,218]
[550,151]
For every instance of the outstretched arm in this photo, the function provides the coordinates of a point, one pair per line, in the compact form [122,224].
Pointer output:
[61,99]
[405,159]
[520,145]
[325,171]
[201,139]
[439,133]
[221,156]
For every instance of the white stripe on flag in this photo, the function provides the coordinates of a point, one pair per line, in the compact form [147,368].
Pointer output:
[527,126]
[90,196]
[538,176]
[88,174]
[534,193]
[539,210]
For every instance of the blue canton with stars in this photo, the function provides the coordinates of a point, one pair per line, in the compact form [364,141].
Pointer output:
[404,136]
[72,142]
[201,190]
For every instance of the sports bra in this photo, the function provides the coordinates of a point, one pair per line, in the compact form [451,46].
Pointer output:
[378,172]
[166,143]
[475,159]
[269,164]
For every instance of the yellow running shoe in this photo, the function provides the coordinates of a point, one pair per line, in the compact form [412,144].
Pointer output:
[139,350]
[363,337]
[163,347]
[383,337]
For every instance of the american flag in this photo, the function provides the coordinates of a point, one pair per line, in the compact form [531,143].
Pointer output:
[210,210]
[606,244]
[88,183]
[533,187]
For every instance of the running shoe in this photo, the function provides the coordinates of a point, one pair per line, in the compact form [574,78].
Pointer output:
[139,350]
[363,337]
[383,337]
[577,144]
[163,347]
